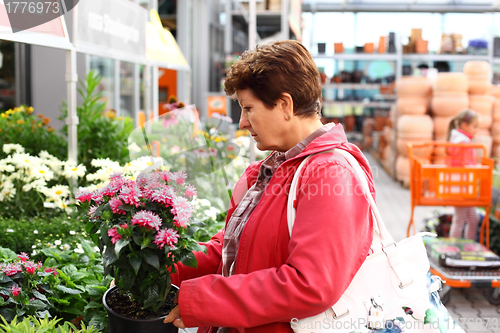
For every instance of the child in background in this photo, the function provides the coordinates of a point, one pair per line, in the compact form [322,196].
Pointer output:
[461,130]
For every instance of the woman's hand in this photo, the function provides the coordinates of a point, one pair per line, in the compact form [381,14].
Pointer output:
[174,316]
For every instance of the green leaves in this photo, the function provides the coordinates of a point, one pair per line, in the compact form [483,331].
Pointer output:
[135,261]
[189,260]
[120,245]
[151,258]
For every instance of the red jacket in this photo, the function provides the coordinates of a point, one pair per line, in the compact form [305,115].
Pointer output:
[279,278]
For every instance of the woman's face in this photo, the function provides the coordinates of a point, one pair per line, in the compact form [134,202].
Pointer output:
[265,125]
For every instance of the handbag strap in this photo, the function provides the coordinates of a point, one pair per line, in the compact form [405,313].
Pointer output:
[386,239]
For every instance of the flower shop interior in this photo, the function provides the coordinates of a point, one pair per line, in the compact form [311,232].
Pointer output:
[107,90]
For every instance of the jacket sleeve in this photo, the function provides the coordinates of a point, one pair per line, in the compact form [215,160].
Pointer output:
[207,263]
[330,240]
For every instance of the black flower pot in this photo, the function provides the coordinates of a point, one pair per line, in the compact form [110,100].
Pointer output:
[122,324]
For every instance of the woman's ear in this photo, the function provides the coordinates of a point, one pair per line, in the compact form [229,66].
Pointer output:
[285,103]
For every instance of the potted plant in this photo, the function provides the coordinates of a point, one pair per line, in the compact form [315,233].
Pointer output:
[142,228]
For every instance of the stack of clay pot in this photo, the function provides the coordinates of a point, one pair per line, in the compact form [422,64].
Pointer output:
[414,125]
[495,128]
[480,99]
[450,96]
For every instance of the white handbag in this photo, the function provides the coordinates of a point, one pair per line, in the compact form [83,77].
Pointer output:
[393,289]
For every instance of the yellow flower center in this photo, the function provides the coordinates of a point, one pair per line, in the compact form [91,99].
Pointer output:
[59,192]
[74,169]
[150,163]
[42,171]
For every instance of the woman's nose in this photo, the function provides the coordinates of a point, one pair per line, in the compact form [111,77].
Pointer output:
[244,123]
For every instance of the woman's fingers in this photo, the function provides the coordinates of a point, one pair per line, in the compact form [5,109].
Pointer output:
[174,317]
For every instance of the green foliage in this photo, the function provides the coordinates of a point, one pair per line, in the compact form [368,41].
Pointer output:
[21,126]
[100,133]
[26,288]
[80,269]
[37,325]
[32,234]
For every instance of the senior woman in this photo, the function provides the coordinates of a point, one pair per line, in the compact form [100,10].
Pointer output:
[255,277]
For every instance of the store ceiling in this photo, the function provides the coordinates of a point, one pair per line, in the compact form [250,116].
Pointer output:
[440,6]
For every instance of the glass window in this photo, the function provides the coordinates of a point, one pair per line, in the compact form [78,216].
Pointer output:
[127,89]
[106,69]
[7,75]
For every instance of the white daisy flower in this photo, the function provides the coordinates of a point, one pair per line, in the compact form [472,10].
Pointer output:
[72,171]
[41,171]
[9,147]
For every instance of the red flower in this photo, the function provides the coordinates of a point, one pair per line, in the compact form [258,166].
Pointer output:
[50,270]
[23,256]
[166,237]
[114,204]
[30,267]
[147,219]
[83,196]
[15,290]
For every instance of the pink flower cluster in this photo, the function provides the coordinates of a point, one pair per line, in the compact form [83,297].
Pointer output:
[166,237]
[182,209]
[113,233]
[15,290]
[11,269]
[114,203]
[147,219]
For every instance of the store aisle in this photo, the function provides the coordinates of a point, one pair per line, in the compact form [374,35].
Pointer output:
[394,202]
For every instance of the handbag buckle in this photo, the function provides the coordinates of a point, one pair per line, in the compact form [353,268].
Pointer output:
[387,247]
[334,315]
[403,286]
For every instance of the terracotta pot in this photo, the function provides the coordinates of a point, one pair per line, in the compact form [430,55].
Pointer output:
[338,47]
[369,48]
[477,67]
[381,45]
[415,126]
[402,146]
[449,106]
[495,90]
[122,324]
[421,46]
[349,123]
[412,105]
[496,114]
[485,121]
[486,140]
[479,87]
[402,169]
[408,86]
[482,104]
[441,125]
[451,82]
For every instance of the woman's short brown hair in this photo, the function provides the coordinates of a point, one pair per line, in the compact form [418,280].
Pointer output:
[275,68]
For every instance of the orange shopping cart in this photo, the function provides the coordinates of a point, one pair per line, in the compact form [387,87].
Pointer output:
[450,174]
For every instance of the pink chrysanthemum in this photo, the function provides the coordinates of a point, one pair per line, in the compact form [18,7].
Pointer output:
[190,191]
[180,177]
[163,196]
[113,233]
[167,176]
[83,195]
[131,195]
[12,269]
[15,290]
[51,270]
[30,267]
[182,210]
[97,196]
[147,219]
[114,204]
[115,185]
[166,237]
[23,257]
[91,213]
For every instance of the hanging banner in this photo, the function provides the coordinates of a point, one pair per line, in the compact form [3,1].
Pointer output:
[50,34]
[161,47]
[111,28]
